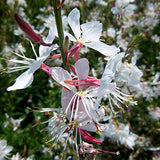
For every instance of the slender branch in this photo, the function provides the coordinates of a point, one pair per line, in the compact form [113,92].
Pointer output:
[58,18]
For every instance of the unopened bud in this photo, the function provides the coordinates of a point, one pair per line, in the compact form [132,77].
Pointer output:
[66,44]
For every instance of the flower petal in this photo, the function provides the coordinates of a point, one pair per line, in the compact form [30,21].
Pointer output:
[113,61]
[74,22]
[91,31]
[36,65]
[66,98]
[103,48]
[23,81]
[71,38]
[51,34]
[106,88]
[60,75]
[82,68]
[89,127]
[45,51]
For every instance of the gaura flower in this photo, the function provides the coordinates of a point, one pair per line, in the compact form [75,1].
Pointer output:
[129,73]
[121,134]
[26,78]
[78,103]
[123,8]
[87,34]
[58,128]
[108,87]
[4,149]
[79,113]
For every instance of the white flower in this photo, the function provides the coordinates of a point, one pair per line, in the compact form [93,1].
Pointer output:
[123,8]
[154,113]
[15,122]
[26,78]
[4,149]
[121,134]
[111,32]
[84,111]
[88,34]
[16,157]
[109,89]
[130,73]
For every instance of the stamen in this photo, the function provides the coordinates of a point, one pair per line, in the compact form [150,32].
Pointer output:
[33,49]
[99,130]
[122,109]
[51,140]
[117,153]
[55,56]
[114,114]
[81,93]
[128,65]
[91,82]
[80,42]
[20,46]
[60,5]
[106,110]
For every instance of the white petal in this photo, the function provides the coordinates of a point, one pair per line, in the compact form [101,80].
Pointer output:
[23,81]
[71,38]
[7,150]
[82,68]
[60,75]
[91,31]
[66,97]
[92,91]
[106,88]
[36,65]
[112,63]
[103,48]
[74,22]
[108,75]
[45,51]
[89,127]
[51,34]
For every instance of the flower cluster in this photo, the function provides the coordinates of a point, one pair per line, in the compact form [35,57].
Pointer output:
[92,99]
[82,94]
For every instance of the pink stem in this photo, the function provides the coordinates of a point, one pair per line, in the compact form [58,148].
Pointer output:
[45,68]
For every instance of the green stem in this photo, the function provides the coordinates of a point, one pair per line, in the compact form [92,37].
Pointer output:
[59,25]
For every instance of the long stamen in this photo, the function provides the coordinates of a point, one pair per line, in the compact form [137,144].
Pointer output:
[55,56]
[76,144]
[70,104]
[117,153]
[20,47]
[91,82]
[77,107]
[73,108]
[14,69]
[67,139]
[33,49]
[86,107]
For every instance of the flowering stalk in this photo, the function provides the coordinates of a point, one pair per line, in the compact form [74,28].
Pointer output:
[58,18]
